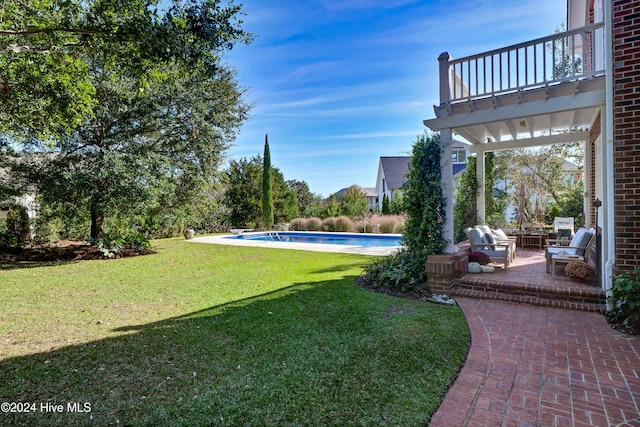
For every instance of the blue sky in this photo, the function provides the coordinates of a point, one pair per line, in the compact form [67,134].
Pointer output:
[338,83]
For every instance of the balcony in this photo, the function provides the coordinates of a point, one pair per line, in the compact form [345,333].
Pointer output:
[540,86]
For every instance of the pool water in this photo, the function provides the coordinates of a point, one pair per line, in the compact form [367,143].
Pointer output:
[351,239]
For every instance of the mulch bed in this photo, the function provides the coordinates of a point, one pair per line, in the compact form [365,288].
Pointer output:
[64,251]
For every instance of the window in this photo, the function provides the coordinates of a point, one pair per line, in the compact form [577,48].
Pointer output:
[459,156]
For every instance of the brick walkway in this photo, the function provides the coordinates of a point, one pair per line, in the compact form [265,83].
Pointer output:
[540,366]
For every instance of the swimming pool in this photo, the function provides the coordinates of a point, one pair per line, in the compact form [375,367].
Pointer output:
[350,239]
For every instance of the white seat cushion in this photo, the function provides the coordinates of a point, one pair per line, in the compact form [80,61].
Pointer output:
[560,251]
[500,235]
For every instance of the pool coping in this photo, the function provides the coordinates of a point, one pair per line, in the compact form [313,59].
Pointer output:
[221,239]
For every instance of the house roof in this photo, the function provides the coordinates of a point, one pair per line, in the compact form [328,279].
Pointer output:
[395,170]
[369,192]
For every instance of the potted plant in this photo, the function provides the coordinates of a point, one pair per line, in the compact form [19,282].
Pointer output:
[479,257]
[577,270]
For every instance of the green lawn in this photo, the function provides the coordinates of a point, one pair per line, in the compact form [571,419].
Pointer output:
[203,334]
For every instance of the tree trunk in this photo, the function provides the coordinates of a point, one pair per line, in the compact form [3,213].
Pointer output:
[97,222]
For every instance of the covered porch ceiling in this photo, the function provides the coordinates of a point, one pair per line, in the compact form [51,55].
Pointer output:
[524,118]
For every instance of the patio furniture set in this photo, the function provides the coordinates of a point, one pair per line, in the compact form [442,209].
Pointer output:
[566,248]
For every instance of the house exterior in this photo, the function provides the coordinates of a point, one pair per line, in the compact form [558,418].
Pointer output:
[392,171]
[538,93]
[392,174]
[370,194]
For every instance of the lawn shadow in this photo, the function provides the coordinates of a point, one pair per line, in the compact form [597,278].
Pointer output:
[218,366]
[19,265]
[340,267]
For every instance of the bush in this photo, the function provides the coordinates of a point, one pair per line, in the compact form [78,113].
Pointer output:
[344,224]
[329,224]
[387,223]
[298,224]
[625,299]
[18,227]
[313,224]
[402,271]
[48,230]
[423,199]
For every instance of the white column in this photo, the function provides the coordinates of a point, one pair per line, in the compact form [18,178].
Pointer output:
[608,217]
[446,182]
[480,205]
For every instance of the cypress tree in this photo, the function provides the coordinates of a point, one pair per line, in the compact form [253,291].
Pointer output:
[386,208]
[267,187]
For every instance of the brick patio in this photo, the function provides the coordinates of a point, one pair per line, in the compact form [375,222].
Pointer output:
[543,366]
[526,281]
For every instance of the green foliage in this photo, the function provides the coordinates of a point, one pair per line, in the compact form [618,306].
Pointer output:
[570,204]
[267,187]
[424,201]
[397,204]
[18,228]
[46,48]
[243,195]
[352,202]
[625,299]
[134,158]
[403,271]
[305,197]
[465,208]
[386,208]
[494,207]
[542,172]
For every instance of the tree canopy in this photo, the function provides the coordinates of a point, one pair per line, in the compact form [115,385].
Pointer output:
[46,83]
[140,153]
[243,195]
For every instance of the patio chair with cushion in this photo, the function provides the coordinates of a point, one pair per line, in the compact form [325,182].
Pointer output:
[497,252]
[577,250]
[499,237]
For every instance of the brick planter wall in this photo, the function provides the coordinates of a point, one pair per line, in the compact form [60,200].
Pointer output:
[444,270]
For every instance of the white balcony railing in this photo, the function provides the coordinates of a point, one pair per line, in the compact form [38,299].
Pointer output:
[562,57]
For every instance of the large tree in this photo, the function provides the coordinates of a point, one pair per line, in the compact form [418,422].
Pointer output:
[306,199]
[243,196]
[140,154]
[46,84]
[541,171]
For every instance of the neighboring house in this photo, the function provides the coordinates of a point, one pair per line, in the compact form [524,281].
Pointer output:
[372,198]
[392,172]
[26,199]
[588,82]
[370,193]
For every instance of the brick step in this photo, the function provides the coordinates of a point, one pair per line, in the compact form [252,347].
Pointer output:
[593,300]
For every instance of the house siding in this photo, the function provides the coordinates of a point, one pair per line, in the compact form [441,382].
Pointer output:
[626,129]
